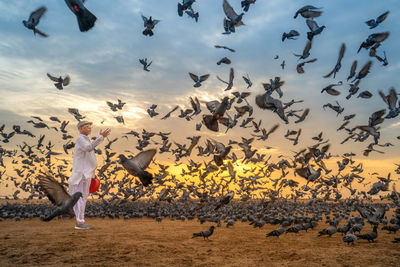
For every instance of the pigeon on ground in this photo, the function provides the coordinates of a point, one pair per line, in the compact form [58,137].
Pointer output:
[205,234]
[85,18]
[34,20]
[58,196]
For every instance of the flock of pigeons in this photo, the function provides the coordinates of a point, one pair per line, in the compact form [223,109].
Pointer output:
[206,190]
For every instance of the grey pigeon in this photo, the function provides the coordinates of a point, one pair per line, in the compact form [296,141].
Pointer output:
[137,165]
[198,80]
[149,24]
[145,64]
[205,234]
[34,20]
[58,196]
[314,29]
[185,5]
[338,62]
[86,19]
[290,35]
[60,81]
[372,23]
[308,12]
[233,19]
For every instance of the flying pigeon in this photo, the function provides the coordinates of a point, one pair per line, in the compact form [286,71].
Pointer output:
[58,196]
[34,20]
[137,165]
[85,18]
[149,24]
[372,23]
[198,79]
[60,82]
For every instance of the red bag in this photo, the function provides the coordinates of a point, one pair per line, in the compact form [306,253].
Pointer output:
[94,185]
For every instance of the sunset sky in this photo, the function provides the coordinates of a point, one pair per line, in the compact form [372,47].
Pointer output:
[103,66]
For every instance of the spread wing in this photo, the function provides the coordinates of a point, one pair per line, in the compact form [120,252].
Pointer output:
[144,158]
[380,37]
[382,17]
[53,189]
[66,80]
[36,15]
[312,25]
[231,75]
[228,10]
[307,48]
[392,99]
[212,105]
[194,77]
[341,52]
[204,77]
[55,79]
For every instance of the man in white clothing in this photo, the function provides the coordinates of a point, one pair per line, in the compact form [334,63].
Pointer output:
[83,166]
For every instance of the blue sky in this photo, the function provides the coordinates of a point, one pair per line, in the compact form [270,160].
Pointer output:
[103,65]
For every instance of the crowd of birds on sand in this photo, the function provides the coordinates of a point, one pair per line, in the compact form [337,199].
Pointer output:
[206,190]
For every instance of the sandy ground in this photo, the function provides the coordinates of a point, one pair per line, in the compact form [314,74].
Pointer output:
[144,242]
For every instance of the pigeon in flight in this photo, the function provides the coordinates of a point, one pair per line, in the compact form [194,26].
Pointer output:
[314,29]
[306,51]
[230,83]
[34,20]
[225,47]
[352,70]
[308,12]
[290,35]
[374,40]
[186,4]
[145,64]
[85,18]
[372,23]
[169,113]
[194,15]
[247,80]
[137,165]
[245,4]
[149,24]
[218,110]
[198,79]
[338,63]
[224,60]
[58,196]
[391,101]
[233,19]
[383,60]
[299,66]
[60,81]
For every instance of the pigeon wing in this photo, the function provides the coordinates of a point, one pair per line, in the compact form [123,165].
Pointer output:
[228,10]
[392,99]
[36,15]
[54,79]
[312,25]
[66,80]
[382,17]
[194,77]
[204,77]
[53,189]
[144,158]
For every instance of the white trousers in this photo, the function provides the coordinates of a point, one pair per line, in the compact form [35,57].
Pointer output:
[79,208]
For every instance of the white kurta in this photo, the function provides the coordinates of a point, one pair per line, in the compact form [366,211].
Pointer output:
[84,159]
[83,167]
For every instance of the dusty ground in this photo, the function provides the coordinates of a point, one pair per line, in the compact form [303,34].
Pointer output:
[144,242]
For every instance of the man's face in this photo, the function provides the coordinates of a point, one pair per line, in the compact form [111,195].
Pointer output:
[86,129]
